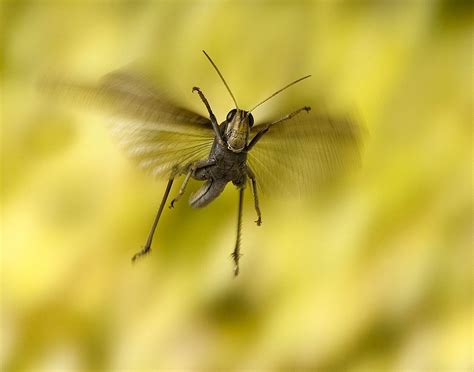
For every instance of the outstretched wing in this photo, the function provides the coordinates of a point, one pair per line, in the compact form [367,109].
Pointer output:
[296,156]
[161,136]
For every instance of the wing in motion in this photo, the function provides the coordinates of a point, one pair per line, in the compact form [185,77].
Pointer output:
[300,154]
[161,136]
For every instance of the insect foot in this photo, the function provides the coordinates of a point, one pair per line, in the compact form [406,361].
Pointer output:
[259,221]
[140,254]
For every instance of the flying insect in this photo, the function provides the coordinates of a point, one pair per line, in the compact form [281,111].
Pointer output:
[171,141]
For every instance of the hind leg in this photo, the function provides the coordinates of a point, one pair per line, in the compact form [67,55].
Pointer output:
[198,171]
[147,248]
[236,252]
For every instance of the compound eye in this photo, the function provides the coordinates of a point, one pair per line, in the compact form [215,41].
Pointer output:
[231,115]
[250,120]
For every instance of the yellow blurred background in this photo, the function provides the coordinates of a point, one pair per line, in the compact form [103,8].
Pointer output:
[374,274]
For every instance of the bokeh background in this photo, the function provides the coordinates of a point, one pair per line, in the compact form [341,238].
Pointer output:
[372,274]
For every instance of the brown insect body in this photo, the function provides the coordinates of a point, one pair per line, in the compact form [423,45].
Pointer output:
[225,163]
[170,141]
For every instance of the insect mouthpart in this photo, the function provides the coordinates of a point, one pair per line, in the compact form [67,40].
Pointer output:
[234,149]
[237,131]
[237,139]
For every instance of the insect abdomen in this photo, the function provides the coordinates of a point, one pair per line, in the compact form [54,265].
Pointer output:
[207,193]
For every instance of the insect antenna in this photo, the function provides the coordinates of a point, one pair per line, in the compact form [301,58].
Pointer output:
[222,78]
[278,91]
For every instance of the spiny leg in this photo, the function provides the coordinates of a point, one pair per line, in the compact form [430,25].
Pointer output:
[147,248]
[251,175]
[215,124]
[268,126]
[236,253]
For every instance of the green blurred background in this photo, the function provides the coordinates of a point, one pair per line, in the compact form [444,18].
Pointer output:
[372,274]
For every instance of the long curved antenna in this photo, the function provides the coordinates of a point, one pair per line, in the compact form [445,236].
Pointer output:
[278,91]
[222,78]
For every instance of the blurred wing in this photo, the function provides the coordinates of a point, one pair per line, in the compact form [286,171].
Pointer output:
[161,136]
[298,155]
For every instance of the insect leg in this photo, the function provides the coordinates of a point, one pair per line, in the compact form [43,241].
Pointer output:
[182,188]
[251,175]
[236,253]
[198,165]
[147,248]
[268,126]
[214,123]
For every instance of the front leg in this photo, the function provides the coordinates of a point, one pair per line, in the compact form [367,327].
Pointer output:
[265,129]
[214,123]
[253,181]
